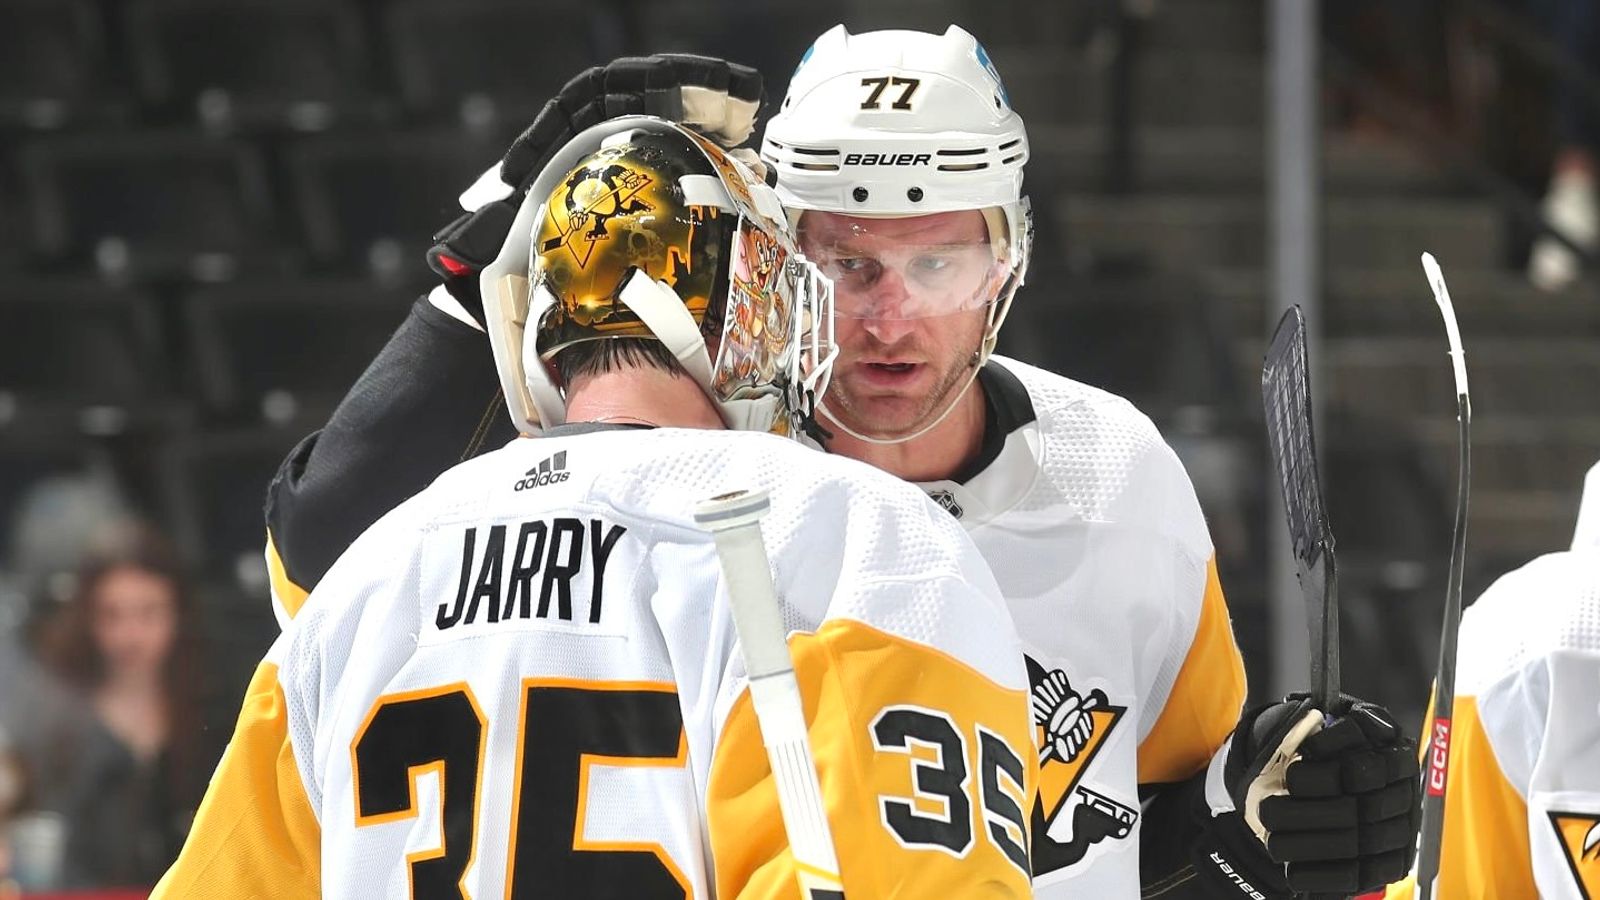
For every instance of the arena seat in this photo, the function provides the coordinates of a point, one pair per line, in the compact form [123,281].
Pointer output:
[79,343]
[148,202]
[286,350]
[298,64]
[52,63]
[213,486]
[494,62]
[769,36]
[372,202]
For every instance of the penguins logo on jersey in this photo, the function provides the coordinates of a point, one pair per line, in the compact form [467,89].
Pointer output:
[1069,730]
[1579,834]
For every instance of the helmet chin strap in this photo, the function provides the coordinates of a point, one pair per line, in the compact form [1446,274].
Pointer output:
[884,442]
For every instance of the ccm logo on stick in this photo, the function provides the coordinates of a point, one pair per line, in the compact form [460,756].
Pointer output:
[1438,757]
[887,159]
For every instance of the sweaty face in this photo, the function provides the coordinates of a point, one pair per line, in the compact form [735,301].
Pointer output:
[911,300]
[135,619]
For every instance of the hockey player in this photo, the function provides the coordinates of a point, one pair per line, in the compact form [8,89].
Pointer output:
[1522,800]
[901,160]
[523,681]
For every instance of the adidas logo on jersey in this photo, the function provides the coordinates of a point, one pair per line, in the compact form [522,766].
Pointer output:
[550,471]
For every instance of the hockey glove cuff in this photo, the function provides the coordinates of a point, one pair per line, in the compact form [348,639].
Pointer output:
[1299,802]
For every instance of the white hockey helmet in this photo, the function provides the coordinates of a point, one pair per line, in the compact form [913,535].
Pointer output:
[905,123]
[641,228]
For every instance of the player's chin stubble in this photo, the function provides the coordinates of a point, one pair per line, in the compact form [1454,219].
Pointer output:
[888,417]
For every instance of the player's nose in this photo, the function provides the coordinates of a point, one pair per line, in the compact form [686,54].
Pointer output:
[885,315]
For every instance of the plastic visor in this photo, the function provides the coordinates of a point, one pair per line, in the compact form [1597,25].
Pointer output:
[881,276]
[777,325]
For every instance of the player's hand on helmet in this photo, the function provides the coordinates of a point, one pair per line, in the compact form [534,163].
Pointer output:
[719,99]
[1304,803]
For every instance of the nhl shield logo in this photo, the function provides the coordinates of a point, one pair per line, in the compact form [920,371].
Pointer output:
[948,501]
[1070,729]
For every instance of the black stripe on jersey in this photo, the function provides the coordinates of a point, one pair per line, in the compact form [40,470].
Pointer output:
[1006,407]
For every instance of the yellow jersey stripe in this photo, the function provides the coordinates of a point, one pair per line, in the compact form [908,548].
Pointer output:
[849,673]
[1485,853]
[255,834]
[1206,698]
[290,596]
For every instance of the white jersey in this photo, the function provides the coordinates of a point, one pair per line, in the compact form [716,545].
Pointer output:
[1522,790]
[1092,528]
[524,682]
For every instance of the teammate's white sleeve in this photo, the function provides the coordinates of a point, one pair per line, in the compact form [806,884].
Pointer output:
[1522,800]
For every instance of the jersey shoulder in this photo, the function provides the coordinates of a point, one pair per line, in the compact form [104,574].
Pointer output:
[1549,606]
[1104,460]
[1529,657]
[373,580]
[660,473]
[665,473]
[843,537]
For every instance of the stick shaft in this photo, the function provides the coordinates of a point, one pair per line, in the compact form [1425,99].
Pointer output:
[734,522]
[1320,585]
[1437,764]
[1435,774]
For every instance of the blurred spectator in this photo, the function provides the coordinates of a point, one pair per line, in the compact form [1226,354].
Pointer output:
[127,778]
[1400,46]
[1570,203]
[11,791]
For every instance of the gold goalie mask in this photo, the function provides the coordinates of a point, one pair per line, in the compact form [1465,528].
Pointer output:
[640,228]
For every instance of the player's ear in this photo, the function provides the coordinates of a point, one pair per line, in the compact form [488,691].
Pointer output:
[555,376]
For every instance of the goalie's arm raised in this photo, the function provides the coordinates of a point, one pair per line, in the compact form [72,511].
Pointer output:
[431,398]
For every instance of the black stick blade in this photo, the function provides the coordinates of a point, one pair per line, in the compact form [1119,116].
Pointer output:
[1286,397]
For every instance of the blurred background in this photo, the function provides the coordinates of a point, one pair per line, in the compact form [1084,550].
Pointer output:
[213,212]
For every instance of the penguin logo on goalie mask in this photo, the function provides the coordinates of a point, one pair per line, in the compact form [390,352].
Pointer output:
[593,198]
[1070,729]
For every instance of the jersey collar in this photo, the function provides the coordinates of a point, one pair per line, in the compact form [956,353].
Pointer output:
[568,429]
[1008,462]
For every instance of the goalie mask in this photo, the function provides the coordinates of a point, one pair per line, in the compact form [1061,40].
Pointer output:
[640,228]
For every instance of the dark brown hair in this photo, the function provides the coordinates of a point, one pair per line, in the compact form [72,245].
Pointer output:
[609,354]
[69,647]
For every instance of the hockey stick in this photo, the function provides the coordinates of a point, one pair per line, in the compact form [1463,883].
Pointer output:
[734,520]
[1286,397]
[1444,684]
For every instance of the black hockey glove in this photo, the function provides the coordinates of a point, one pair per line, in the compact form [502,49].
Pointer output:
[1292,805]
[717,98]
